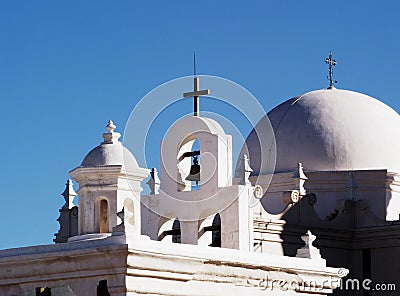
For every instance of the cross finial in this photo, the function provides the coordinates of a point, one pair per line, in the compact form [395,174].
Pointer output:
[308,238]
[196,93]
[194,63]
[110,126]
[111,136]
[331,62]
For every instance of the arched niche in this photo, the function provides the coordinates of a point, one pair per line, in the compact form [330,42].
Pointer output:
[102,212]
[129,211]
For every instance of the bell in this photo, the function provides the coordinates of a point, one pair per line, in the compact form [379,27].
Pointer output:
[194,174]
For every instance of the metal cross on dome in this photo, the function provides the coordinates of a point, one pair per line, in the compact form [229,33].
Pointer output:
[196,93]
[331,62]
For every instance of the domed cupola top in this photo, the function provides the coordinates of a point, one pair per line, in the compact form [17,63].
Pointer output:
[110,152]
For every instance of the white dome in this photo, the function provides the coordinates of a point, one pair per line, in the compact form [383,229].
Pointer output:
[110,152]
[330,130]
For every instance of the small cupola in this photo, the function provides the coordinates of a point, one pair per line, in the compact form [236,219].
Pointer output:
[109,181]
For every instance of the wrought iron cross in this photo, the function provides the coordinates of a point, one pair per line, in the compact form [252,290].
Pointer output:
[196,93]
[331,63]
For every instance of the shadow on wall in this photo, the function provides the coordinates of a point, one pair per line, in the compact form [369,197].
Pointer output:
[345,238]
[46,291]
[102,290]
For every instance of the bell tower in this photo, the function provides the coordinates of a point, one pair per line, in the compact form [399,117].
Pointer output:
[210,166]
[196,201]
[109,182]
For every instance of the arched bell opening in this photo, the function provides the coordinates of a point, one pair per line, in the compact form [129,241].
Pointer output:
[176,231]
[188,164]
[210,231]
[216,232]
[170,230]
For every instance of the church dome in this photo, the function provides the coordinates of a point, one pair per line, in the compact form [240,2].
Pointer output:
[329,130]
[110,152]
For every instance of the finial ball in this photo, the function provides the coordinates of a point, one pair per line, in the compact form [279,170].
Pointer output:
[110,126]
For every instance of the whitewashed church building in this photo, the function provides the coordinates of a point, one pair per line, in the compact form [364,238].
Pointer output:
[213,225]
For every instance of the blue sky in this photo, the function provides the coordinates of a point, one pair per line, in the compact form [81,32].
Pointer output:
[66,67]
